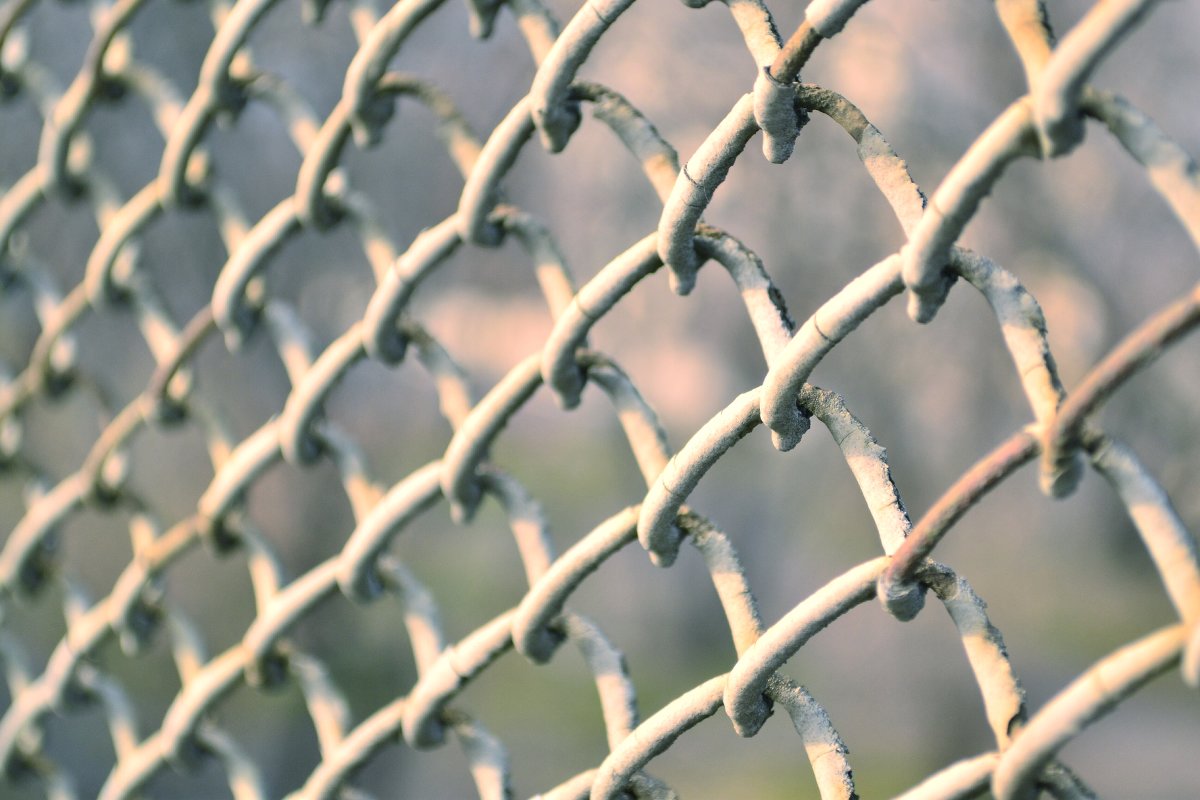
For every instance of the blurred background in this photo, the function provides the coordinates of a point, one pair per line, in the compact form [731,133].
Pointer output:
[1066,581]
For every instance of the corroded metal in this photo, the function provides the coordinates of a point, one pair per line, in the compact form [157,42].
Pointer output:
[1061,437]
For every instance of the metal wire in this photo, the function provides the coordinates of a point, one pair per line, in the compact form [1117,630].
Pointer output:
[1063,435]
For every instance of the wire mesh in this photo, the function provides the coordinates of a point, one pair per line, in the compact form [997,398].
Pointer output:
[100,400]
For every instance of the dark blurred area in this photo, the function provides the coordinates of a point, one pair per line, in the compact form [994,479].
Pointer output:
[1066,581]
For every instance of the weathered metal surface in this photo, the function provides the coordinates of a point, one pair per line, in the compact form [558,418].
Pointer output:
[1061,437]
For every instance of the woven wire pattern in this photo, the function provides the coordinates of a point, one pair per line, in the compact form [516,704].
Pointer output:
[249,308]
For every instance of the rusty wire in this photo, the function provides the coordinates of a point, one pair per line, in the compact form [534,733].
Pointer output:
[1063,435]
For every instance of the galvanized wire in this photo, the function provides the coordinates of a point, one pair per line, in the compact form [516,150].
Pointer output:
[1062,436]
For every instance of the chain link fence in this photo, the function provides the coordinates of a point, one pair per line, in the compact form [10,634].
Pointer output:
[216,441]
